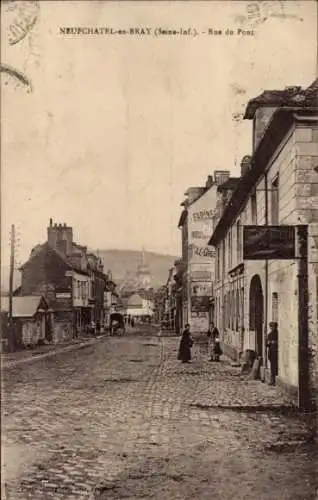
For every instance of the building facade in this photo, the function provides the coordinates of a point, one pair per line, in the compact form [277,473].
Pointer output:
[197,257]
[278,187]
[139,307]
[71,280]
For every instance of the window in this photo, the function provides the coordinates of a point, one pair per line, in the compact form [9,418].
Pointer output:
[253,209]
[238,242]
[275,307]
[242,308]
[233,310]
[218,263]
[229,245]
[237,311]
[274,202]
[223,256]
[229,310]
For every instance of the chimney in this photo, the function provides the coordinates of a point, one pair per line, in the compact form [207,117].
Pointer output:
[293,89]
[60,236]
[67,236]
[221,176]
[245,164]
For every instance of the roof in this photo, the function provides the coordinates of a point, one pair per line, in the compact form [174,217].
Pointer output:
[281,122]
[290,96]
[183,217]
[45,247]
[23,307]
[135,300]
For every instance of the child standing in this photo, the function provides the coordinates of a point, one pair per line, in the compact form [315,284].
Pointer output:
[216,350]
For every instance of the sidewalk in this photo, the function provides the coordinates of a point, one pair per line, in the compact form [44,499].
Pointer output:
[27,355]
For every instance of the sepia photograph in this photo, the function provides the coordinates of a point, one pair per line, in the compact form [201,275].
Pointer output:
[159,249]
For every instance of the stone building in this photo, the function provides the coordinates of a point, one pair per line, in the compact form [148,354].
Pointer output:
[278,187]
[197,257]
[71,280]
[30,315]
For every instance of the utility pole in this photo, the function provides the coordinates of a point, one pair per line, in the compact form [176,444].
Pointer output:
[11,286]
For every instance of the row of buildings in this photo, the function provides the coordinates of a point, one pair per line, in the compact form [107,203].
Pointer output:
[250,242]
[64,290]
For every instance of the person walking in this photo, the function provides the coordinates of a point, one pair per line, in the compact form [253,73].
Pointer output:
[186,343]
[213,334]
[272,346]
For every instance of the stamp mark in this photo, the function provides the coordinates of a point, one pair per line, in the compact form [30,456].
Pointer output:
[22,16]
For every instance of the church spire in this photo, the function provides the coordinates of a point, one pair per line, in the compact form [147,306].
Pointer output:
[143,257]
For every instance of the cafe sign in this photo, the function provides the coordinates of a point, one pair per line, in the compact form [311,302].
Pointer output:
[201,251]
[268,242]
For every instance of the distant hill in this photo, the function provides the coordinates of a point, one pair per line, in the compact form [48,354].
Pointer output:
[123,264]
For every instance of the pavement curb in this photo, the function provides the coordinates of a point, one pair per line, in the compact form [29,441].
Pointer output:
[72,347]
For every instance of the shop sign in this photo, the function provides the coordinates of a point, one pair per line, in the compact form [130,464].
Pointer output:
[201,276]
[201,289]
[199,314]
[201,235]
[200,303]
[199,323]
[203,215]
[63,295]
[268,242]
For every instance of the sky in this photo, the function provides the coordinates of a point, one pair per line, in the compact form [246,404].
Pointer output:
[116,128]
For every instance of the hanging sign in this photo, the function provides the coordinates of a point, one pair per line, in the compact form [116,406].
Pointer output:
[268,242]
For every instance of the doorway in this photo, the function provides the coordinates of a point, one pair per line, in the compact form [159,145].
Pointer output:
[257,312]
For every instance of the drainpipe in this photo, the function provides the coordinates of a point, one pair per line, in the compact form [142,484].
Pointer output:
[266,278]
[304,396]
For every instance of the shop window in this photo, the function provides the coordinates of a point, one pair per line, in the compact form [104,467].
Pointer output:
[237,312]
[229,310]
[233,310]
[242,308]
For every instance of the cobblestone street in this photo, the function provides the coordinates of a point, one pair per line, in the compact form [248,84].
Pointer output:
[122,418]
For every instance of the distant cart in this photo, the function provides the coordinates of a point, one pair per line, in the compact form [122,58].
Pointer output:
[117,324]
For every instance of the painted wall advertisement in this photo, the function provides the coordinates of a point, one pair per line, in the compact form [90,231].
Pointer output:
[201,272]
[201,289]
[199,321]
[201,260]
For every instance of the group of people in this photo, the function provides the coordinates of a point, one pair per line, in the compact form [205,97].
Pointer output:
[215,350]
[186,343]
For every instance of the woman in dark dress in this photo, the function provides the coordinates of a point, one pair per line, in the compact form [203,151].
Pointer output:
[186,343]
[272,345]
